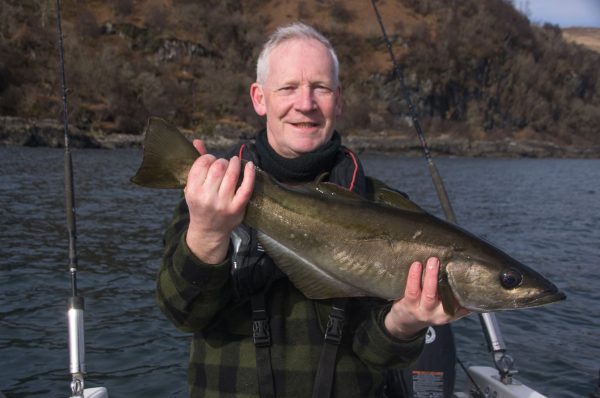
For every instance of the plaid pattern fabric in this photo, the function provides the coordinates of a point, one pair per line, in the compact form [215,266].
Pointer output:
[198,298]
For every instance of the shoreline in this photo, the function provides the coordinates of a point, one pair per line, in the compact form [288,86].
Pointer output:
[15,131]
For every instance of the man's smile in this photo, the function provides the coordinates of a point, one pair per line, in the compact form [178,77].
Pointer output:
[305,125]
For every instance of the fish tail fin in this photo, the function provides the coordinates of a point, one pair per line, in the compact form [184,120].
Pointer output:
[167,156]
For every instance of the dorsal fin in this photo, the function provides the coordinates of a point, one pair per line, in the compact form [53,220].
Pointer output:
[321,177]
[392,198]
[335,190]
[326,189]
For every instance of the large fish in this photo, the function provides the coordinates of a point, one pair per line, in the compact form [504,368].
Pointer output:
[333,243]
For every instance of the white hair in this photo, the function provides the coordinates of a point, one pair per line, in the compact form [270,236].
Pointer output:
[296,30]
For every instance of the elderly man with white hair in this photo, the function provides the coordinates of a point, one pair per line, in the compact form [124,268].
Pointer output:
[255,334]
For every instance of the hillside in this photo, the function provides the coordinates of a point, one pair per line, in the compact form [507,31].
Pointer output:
[476,71]
[587,37]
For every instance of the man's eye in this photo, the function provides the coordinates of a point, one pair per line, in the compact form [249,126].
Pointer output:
[323,90]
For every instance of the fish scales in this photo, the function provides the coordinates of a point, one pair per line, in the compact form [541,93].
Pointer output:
[348,249]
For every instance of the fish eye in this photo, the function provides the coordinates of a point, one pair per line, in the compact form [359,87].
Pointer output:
[510,278]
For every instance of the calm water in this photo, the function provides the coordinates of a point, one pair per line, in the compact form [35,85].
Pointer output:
[544,212]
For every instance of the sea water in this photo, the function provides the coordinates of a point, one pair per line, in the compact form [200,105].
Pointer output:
[544,212]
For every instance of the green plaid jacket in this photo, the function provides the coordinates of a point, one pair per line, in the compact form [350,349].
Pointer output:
[199,298]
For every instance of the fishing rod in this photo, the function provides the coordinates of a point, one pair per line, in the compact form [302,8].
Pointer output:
[75,302]
[504,362]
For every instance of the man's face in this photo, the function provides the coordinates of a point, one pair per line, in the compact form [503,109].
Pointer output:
[299,97]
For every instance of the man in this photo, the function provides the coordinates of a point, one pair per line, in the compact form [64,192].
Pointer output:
[255,334]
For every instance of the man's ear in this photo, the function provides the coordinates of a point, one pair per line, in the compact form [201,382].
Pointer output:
[258,99]
[338,101]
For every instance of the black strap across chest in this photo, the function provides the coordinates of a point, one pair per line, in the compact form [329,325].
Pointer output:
[261,334]
[333,337]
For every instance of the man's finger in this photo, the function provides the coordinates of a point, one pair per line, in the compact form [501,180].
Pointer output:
[230,179]
[214,177]
[199,171]
[413,282]
[429,296]
[200,147]
[244,192]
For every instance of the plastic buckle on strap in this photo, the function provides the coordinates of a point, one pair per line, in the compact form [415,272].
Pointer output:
[261,333]
[333,333]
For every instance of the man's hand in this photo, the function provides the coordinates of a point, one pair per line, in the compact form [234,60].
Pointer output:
[216,206]
[420,307]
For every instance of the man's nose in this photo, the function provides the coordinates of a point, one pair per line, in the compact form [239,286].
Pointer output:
[305,101]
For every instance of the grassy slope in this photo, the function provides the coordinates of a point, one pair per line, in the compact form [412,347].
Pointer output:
[588,37]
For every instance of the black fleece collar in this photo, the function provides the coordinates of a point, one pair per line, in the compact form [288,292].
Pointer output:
[301,169]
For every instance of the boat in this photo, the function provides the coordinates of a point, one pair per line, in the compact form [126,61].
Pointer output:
[484,381]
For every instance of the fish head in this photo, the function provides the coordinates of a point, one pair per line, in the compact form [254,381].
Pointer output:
[486,284]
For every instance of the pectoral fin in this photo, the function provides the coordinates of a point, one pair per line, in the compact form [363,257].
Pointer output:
[449,301]
[308,277]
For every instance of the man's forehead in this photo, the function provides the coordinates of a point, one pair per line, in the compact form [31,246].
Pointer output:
[298,47]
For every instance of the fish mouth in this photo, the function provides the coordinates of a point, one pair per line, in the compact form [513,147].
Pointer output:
[540,299]
[546,297]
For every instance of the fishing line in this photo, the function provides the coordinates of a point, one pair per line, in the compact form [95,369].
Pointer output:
[435,175]
[479,393]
